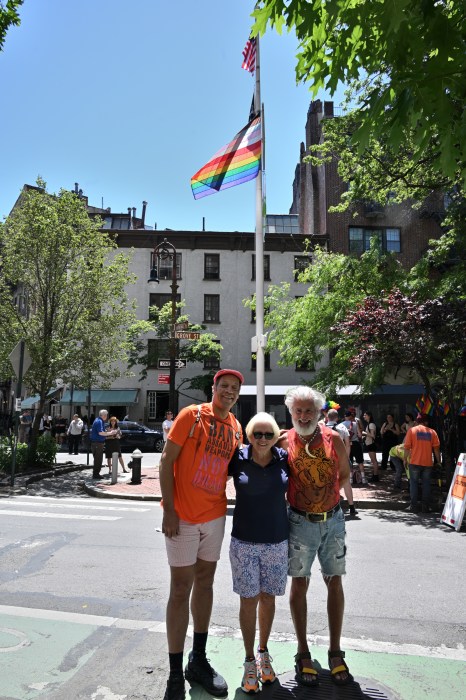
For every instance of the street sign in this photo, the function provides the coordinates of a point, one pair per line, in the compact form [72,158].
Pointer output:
[183,326]
[14,357]
[179,364]
[187,335]
[164,378]
[17,404]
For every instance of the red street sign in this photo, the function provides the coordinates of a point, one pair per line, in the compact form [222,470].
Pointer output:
[164,378]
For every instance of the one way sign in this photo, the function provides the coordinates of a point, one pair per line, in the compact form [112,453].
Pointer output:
[179,364]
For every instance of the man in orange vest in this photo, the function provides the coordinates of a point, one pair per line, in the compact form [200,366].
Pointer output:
[319,467]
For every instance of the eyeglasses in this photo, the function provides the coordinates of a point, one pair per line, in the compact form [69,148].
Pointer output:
[267,436]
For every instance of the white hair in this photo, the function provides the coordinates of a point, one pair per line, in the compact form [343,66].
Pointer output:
[262,417]
[102,411]
[304,393]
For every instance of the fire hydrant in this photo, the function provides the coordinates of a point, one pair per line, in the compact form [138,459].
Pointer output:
[135,465]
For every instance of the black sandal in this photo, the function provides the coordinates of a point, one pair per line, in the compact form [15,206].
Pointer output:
[341,668]
[303,670]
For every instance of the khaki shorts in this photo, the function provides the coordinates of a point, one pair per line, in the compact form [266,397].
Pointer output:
[196,541]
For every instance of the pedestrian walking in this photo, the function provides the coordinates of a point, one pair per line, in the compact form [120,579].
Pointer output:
[369,435]
[98,436]
[390,433]
[112,444]
[25,425]
[420,442]
[167,424]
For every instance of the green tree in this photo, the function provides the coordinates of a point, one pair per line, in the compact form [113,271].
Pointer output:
[427,336]
[206,348]
[302,329]
[8,16]
[63,291]
[411,54]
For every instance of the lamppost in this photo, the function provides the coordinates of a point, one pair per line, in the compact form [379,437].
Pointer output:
[162,252]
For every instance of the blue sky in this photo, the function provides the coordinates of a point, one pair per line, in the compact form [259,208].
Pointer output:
[131,99]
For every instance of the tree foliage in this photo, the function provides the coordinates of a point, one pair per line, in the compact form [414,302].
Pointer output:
[8,16]
[427,336]
[412,55]
[62,290]
[160,325]
[302,329]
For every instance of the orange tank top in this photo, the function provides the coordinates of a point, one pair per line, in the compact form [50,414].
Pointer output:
[314,483]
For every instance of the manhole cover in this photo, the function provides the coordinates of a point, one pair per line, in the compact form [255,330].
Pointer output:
[287,688]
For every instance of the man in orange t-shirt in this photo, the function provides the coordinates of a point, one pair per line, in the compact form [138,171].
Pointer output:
[193,476]
[420,442]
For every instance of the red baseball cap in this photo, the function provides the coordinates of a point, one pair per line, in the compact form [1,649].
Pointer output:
[422,418]
[234,372]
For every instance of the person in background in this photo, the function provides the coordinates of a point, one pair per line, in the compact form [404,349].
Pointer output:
[193,477]
[98,435]
[319,467]
[60,428]
[167,424]
[333,422]
[355,436]
[112,444]
[369,435]
[75,430]
[409,423]
[398,458]
[25,425]
[419,443]
[259,542]
[390,432]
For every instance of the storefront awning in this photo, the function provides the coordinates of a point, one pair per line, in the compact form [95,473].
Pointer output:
[101,397]
[30,401]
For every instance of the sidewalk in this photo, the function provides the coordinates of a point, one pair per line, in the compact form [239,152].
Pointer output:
[381,495]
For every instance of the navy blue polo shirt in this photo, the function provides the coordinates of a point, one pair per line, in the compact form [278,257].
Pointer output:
[261,511]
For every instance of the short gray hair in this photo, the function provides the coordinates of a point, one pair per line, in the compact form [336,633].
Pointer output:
[332,414]
[304,393]
[262,417]
[102,411]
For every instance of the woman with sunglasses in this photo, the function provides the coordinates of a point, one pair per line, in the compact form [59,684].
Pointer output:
[259,541]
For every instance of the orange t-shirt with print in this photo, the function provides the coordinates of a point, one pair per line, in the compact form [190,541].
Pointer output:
[201,469]
[421,440]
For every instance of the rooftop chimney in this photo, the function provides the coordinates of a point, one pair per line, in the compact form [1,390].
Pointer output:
[143,215]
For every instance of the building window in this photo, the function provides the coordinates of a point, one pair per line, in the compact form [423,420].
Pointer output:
[281,223]
[266,267]
[266,362]
[165,267]
[211,308]
[151,405]
[211,266]
[301,263]
[305,366]
[159,300]
[212,362]
[360,239]
[157,349]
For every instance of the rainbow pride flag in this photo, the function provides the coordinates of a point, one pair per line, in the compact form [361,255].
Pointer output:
[235,163]
[424,404]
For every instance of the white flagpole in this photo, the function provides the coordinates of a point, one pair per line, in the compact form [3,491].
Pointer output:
[259,248]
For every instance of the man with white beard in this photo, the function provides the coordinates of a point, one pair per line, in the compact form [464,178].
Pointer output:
[319,467]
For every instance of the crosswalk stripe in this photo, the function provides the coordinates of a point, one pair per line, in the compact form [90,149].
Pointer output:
[64,516]
[59,504]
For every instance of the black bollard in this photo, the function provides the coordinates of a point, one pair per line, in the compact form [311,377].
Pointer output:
[135,466]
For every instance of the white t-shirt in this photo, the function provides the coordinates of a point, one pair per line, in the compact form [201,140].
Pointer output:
[166,425]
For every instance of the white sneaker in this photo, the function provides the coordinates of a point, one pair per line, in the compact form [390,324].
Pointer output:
[264,667]
[250,682]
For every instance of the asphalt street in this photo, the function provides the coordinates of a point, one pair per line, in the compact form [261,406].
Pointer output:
[83,586]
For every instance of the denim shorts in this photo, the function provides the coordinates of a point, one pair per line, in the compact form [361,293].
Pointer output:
[258,568]
[326,539]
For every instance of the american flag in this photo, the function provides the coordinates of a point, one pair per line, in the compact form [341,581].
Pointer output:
[249,56]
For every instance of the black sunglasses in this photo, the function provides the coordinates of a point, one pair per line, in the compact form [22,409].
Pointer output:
[267,436]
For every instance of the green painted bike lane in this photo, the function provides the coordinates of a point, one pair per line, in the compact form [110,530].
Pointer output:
[38,656]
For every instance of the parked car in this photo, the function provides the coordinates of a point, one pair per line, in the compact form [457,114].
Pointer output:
[137,435]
